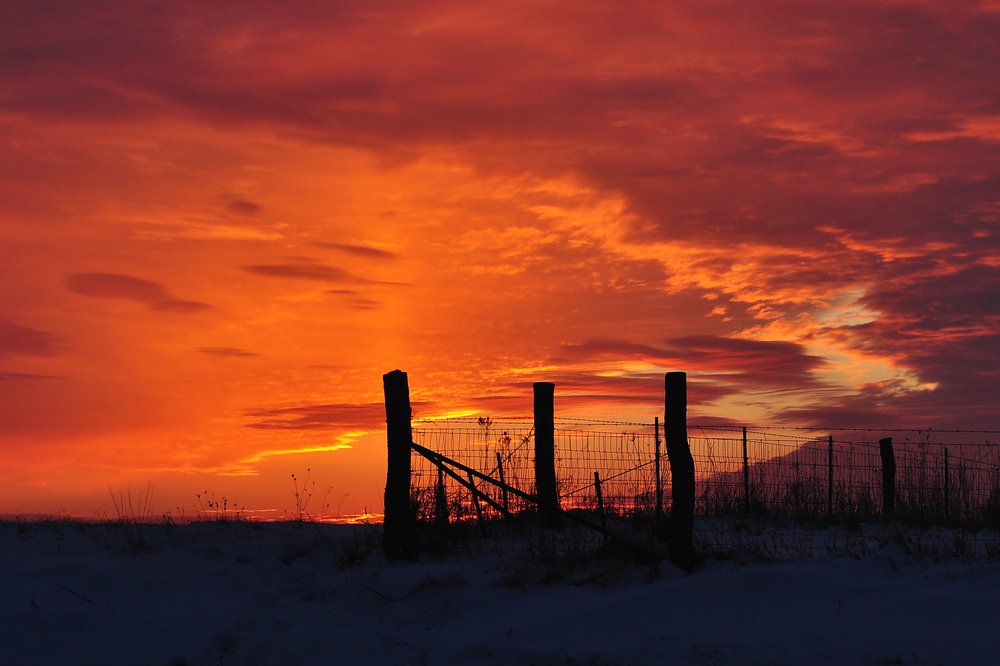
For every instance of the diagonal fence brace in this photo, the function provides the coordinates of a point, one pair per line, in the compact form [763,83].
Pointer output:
[443,461]
[438,458]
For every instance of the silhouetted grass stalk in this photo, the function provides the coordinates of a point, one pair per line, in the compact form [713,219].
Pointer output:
[127,528]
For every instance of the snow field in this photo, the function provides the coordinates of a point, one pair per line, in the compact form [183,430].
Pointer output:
[285,593]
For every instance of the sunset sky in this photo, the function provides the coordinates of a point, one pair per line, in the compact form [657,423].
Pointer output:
[221,223]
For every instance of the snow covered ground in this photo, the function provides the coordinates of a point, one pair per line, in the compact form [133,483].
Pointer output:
[283,593]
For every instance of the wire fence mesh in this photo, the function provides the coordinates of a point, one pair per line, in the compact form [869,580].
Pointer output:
[801,474]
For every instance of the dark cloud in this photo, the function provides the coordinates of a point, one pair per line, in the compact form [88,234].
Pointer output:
[364,304]
[176,305]
[932,295]
[855,142]
[309,270]
[338,416]
[757,361]
[768,359]
[773,128]
[583,391]
[25,377]
[112,285]
[318,272]
[226,352]
[244,207]
[21,340]
[359,250]
[354,301]
[940,317]
[126,287]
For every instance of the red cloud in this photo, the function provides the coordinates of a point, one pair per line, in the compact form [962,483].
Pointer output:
[16,339]
[764,362]
[304,272]
[113,285]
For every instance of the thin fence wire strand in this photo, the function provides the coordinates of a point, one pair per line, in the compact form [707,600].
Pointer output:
[942,477]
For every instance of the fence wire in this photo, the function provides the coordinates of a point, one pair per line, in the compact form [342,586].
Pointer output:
[942,477]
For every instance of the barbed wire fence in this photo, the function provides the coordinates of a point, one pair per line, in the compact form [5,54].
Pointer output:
[746,477]
[711,489]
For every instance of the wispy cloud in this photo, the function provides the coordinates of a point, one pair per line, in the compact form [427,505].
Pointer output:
[226,352]
[127,287]
[304,271]
[25,377]
[364,251]
[338,416]
[759,361]
[244,207]
[17,339]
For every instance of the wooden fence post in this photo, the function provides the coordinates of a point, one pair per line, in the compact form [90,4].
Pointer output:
[398,536]
[441,517]
[746,475]
[829,484]
[545,453]
[479,507]
[888,477]
[681,470]
[947,503]
[600,502]
[659,478]
[503,482]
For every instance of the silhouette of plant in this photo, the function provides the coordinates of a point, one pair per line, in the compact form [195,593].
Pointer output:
[219,510]
[303,495]
[355,549]
[127,529]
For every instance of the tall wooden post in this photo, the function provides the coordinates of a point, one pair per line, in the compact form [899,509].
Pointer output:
[398,536]
[888,477]
[681,470]
[545,453]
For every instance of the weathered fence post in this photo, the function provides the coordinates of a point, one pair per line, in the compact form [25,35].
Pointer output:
[829,483]
[947,503]
[440,501]
[397,526]
[475,501]
[888,477]
[545,453]
[681,470]
[503,483]
[746,475]
[600,502]
[659,480]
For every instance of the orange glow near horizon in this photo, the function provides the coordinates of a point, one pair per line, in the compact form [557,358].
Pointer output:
[218,231]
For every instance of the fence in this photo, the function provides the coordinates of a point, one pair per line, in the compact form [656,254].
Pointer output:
[620,470]
[786,471]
